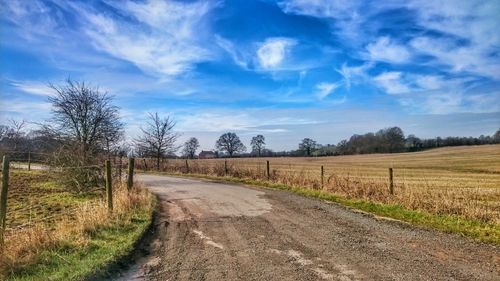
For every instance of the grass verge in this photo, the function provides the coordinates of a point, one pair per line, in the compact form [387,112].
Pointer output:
[486,232]
[77,243]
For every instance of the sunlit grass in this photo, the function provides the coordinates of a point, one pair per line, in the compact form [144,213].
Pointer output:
[53,234]
[460,183]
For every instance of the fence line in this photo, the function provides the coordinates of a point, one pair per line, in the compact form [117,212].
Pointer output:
[5,186]
[232,167]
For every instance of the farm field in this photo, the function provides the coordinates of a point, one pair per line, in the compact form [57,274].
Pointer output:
[458,181]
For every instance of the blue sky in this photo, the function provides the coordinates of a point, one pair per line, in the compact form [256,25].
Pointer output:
[324,69]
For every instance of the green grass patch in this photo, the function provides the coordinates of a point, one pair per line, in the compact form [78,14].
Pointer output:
[107,246]
[35,195]
[486,232]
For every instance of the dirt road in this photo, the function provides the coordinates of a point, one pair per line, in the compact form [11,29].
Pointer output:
[214,231]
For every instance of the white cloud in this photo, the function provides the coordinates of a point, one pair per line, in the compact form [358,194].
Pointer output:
[26,109]
[32,17]
[34,88]
[235,121]
[345,13]
[430,82]
[464,37]
[319,8]
[391,82]
[468,59]
[166,42]
[353,74]
[474,20]
[472,37]
[234,52]
[272,52]
[448,101]
[384,49]
[324,89]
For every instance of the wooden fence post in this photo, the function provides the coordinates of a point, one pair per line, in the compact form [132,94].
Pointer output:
[3,197]
[109,186]
[391,181]
[120,170]
[29,160]
[322,177]
[268,170]
[130,177]
[187,167]
[145,164]
[225,167]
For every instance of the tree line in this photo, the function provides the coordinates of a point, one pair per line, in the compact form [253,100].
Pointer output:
[388,140]
[85,126]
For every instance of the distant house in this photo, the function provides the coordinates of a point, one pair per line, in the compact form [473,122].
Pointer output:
[207,155]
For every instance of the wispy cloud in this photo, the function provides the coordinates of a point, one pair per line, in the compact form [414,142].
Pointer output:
[273,51]
[165,41]
[354,74]
[345,14]
[324,89]
[391,82]
[430,82]
[217,67]
[461,59]
[384,49]
[224,120]
[26,109]
[240,58]
[34,88]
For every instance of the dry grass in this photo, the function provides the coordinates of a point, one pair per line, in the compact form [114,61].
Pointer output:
[463,181]
[66,229]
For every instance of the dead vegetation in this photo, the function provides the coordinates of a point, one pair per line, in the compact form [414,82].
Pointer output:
[463,181]
[44,217]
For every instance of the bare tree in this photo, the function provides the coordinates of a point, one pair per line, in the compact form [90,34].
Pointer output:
[16,132]
[158,138]
[3,131]
[112,139]
[84,115]
[258,142]
[190,147]
[230,143]
[307,145]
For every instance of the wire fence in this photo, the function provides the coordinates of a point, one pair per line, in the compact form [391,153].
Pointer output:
[447,190]
[26,201]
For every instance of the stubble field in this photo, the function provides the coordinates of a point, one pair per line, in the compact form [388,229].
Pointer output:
[457,181]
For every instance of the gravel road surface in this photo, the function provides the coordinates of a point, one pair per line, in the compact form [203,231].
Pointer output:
[214,231]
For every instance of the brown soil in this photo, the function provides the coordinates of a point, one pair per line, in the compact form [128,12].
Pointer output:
[214,231]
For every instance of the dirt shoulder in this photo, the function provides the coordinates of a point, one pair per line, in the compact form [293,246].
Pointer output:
[214,231]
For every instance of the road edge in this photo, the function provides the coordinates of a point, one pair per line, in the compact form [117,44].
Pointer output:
[122,263]
[469,229]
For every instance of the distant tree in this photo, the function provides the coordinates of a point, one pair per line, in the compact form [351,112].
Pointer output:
[190,147]
[84,116]
[230,143]
[391,139]
[16,133]
[158,138]
[307,145]
[258,142]
[341,148]
[413,143]
[496,137]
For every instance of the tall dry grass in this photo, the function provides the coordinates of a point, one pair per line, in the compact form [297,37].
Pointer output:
[463,181]
[72,230]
